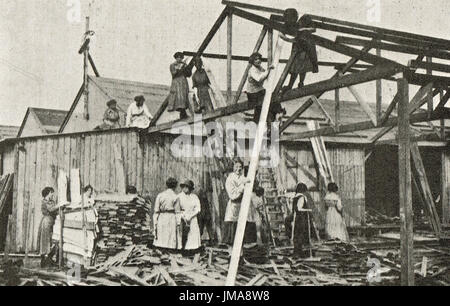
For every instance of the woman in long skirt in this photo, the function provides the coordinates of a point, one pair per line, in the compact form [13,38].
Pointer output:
[201,82]
[300,232]
[190,208]
[179,90]
[234,187]
[49,209]
[165,223]
[335,227]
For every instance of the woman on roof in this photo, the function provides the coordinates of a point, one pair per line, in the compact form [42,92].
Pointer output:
[200,82]
[178,99]
[138,114]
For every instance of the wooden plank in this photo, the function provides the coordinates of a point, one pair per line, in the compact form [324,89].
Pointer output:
[361,126]
[297,114]
[445,187]
[244,77]
[270,47]
[425,190]
[330,120]
[243,213]
[364,105]
[416,50]
[390,109]
[429,94]
[218,96]
[406,218]
[253,7]
[381,133]
[337,109]
[430,66]
[120,170]
[229,54]
[382,30]
[417,101]
[379,92]
[18,222]
[340,82]
[424,79]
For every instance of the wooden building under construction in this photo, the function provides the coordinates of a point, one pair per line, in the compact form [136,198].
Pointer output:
[365,152]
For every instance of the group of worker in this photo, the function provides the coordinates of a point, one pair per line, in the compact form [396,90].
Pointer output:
[304,60]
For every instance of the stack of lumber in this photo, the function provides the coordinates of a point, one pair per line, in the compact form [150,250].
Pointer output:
[122,220]
[78,243]
[375,218]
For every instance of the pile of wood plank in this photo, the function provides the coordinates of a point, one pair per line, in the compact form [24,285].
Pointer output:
[122,220]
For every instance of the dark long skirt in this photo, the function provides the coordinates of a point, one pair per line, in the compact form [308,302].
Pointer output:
[230,232]
[301,235]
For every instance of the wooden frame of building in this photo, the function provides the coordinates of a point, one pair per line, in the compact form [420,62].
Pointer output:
[148,151]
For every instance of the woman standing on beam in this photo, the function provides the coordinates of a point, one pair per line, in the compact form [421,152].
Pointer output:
[179,90]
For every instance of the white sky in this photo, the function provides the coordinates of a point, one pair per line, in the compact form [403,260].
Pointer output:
[135,40]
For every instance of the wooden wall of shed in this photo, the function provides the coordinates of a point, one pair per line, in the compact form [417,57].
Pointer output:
[40,159]
[7,159]
[147,166]
[446,187]
[348,168]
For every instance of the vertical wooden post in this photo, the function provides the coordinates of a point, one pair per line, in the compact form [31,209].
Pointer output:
[445,193]
[337,110]
[269,47]
[404,155]
[379,93]
[85,74]
[441,96]
[8,238]
[229,54]
[245,204]
[430,92]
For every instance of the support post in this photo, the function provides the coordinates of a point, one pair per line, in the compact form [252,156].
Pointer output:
[85,74]
[379,92]
[337,109]
[406,244]
[429,92]
[269,47]
[442,123]
[229,54]
[245,205]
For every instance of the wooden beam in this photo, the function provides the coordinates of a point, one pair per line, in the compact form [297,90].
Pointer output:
[210,34]
[429,94]
[442,122]
[253,7]
[389,110]
[85,75]
[199,52]
[381,133]
[444,99]
[337,109]
[381,36]
[94,68]
[270,47]
[360,126]
[364,105]
[229,55]
[379,92]
[244,77]
[297,114]
[405,193]
[424,189]
[246,199]
[285,73]
[352,52]
[330,120]
[430,66]
[395,48]
[242,58]
[341,82]
[346,67]
[417,101]
[384,30]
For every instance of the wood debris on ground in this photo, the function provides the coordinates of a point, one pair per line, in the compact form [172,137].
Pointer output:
[334,264]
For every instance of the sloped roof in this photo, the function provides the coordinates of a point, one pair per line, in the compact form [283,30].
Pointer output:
[8,131]
[125,91]
[49,119]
